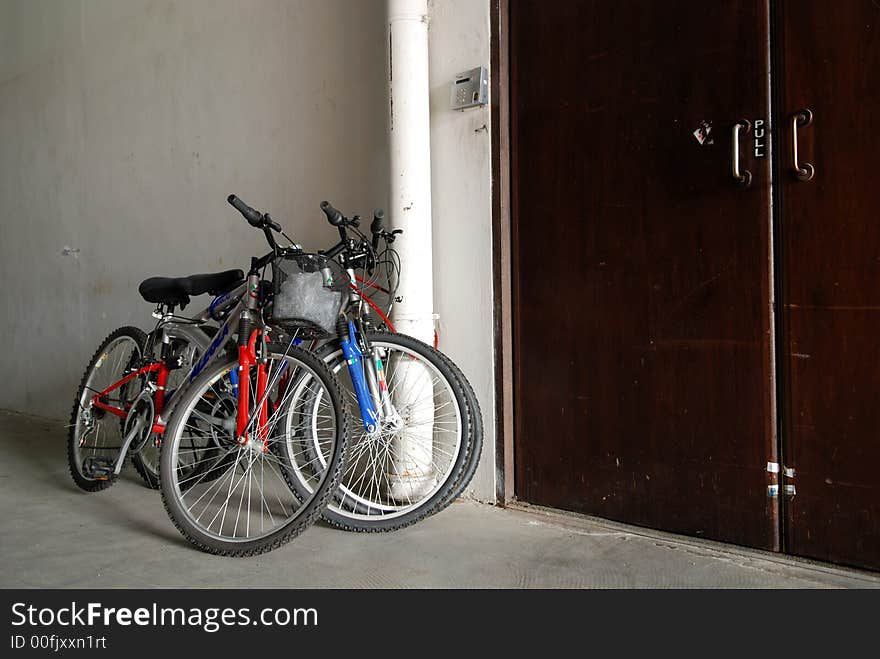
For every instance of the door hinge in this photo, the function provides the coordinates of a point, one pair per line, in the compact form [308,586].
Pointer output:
[788,490]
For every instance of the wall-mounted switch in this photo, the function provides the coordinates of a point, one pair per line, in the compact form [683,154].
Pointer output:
[470,89]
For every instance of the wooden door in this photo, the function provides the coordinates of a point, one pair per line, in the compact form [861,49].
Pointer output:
[830,265]
[641,279]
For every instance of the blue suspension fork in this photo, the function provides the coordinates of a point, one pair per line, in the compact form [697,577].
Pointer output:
[355,360]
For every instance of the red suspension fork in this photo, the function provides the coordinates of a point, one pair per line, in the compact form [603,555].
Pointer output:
[262,414]
[247,357]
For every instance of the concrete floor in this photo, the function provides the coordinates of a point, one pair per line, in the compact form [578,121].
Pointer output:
[54,535]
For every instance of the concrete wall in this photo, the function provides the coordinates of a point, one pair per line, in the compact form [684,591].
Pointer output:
[124,124]
[462,192]
[123,127]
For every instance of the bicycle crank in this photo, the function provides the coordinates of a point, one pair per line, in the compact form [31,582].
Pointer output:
[138,428]
[139,422]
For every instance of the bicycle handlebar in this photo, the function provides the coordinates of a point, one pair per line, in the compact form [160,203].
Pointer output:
[337,219]
[263,221]
[334,217]
[254,217]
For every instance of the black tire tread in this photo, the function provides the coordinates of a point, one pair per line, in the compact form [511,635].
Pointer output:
[475,446]
[83,483]
[150,481]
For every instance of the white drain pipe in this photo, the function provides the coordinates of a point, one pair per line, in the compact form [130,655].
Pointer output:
[410,144]
[410,468]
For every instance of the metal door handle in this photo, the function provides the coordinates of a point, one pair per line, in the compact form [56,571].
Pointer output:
[801,118]
[742,177]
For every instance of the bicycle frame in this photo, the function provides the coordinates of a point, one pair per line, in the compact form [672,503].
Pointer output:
[366,298]
[158,401]
[369,384]
[230,304]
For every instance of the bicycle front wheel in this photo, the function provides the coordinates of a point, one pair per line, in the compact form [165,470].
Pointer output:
[413,466]
[237,499]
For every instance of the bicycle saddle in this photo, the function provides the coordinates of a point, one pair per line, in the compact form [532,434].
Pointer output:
[176,290]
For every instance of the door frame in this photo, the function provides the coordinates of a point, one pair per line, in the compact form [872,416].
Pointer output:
[499,42]
[776,151]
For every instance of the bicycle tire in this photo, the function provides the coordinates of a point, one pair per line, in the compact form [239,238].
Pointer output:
[75,433]
[475,445]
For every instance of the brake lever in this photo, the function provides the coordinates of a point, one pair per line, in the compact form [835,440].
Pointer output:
[272,224]
[270,238]
[390,236]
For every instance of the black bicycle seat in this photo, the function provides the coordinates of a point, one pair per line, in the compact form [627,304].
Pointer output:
[176,290]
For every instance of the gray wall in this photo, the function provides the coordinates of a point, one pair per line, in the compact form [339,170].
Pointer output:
[123,127]
[125,123]
[461,191]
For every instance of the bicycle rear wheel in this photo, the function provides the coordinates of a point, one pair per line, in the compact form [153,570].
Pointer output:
[475,437]
[236,500]
[95,436]
[146,461]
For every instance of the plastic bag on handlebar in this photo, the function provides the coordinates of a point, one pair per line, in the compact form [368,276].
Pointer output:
[308,294]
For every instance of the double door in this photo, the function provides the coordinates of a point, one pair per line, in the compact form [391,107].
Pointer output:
[696,267]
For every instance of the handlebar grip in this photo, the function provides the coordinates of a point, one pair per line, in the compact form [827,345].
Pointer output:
[334,217]
[377,226]
[254,217]
[378,223]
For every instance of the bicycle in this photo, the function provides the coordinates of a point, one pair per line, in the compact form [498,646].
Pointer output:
[222,417]
[409,457]
[425,478]
[359,286]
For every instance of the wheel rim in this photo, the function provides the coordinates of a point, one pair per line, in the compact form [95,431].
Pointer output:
[98,433]
[251,498]
[363,492]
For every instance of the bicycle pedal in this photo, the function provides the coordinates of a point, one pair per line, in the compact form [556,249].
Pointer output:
[98,468]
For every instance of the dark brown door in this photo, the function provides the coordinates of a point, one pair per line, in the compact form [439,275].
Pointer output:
[830,64]
[643,381]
